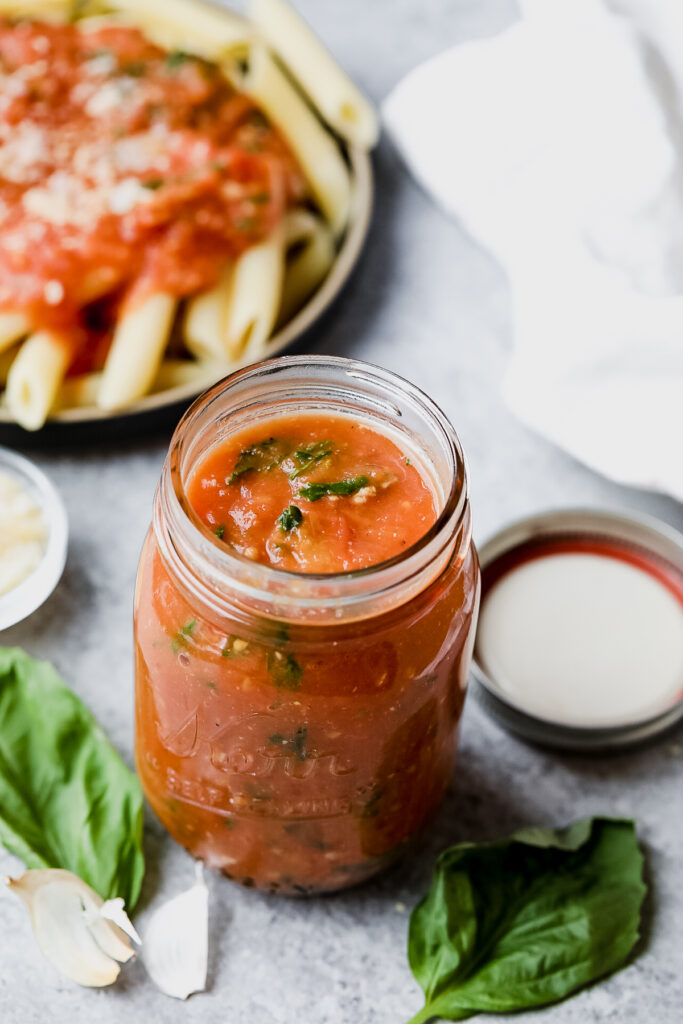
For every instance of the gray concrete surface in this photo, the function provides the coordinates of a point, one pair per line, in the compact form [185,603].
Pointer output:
[426,303]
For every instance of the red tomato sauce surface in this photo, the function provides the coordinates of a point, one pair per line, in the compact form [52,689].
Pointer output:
[312,493]
[123,167]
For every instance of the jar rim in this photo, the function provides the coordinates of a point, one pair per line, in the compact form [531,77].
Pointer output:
[268,578]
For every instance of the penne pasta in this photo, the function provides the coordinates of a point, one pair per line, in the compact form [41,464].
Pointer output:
[311,257]
[328,87]
[13,326]
[136,351]
[253,298]
[175,373]
[205,319]
[314,148]
[78,391]
[35,376]
[81,391]
[198,28]
[121,178]
[46,10]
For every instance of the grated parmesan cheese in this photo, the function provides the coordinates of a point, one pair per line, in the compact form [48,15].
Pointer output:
[127,194]
[53,292]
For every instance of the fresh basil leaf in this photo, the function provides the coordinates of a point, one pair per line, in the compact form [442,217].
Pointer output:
[313,492]
[261,457]
[527,920]
[66,798]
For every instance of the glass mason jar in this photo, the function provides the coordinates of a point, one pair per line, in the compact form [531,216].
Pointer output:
[294,730]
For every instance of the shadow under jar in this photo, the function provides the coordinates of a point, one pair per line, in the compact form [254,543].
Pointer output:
[295,730]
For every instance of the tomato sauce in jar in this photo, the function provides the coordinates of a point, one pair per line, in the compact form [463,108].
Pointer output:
[305,615]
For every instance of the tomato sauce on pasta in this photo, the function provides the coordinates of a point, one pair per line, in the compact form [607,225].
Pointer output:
[124,169]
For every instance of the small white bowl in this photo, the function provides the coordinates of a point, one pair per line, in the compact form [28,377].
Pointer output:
[22,600]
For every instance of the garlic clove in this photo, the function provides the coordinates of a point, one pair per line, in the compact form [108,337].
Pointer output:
[71,933]
[176,946]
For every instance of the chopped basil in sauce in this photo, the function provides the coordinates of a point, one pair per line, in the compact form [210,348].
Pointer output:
[285,670]
[297,743]
[176,58]
[136,68]
[152,183]
[291,517]
[261,457]
[313,492]
[219,531]
[310,456]
[181,635]
[260,199]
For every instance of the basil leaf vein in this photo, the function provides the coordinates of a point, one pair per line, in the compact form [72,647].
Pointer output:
[527,920]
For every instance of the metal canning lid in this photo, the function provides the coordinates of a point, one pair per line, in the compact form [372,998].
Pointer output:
[641,542]
[28,595]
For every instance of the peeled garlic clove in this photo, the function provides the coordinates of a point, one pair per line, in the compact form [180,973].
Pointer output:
[69,929]
[176,946]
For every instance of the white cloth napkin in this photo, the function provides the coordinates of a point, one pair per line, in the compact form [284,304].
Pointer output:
[559,145]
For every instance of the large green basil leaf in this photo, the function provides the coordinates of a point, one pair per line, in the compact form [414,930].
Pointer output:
[526,921]
[67,799]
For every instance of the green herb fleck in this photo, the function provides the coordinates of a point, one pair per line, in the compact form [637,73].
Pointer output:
[310,456]
[260,198]
[408,462]
[261,457]
[246,224]
[285,670]
[217,165]
[313,492]
[180,636]
[282,633]
[291,517]
[229,823]
[297,743]
[219,531]
[372,804]
[176,58]
[152,183]
[308,833]
[136,68]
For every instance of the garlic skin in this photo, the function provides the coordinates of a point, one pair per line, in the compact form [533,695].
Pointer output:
[71,931]
[176,947]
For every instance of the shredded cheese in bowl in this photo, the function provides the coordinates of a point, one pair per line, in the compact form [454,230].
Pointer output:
[33,537]
[23,532]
